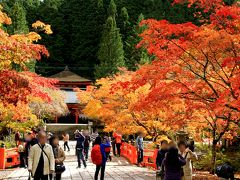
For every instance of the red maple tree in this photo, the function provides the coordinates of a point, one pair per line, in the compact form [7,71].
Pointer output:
[198,65]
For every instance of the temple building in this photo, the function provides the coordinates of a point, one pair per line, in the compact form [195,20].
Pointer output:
[67,82]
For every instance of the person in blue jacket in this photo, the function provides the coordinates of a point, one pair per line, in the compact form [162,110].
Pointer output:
[98,141]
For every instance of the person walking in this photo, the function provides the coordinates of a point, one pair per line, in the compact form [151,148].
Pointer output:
[94,135]
[80,148]
[113,146]
[173,163]
[59,156]
[107,149]
[17,138]
[118,140]
[99,157]
[86,144]
[160,157]
[31,140]
[21,151]
[41,159]
[65,140]
[139,146]
[189,156]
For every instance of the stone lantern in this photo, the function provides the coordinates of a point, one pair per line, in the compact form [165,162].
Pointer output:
[181,136]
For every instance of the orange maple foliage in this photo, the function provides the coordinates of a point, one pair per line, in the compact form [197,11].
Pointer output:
[16,88]
[116,106]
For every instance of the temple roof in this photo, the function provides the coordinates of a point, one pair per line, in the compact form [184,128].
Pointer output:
[67,76]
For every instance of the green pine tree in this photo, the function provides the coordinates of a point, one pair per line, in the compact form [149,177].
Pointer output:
[110,54]
[17,13]
[135,56]
[112,9]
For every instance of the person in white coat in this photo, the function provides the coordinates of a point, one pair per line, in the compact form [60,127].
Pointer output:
[41,161]
[189,156]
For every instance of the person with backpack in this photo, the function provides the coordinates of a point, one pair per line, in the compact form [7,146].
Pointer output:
[99,157]
[189,156]
[225,171]
[107,149]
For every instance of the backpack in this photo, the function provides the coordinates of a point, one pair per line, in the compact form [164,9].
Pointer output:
[96,155]
[107,149]
[224,171]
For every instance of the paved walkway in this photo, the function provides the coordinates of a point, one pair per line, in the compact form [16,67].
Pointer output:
[118,169]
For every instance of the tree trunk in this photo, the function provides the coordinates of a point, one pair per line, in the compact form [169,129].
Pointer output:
[214,156]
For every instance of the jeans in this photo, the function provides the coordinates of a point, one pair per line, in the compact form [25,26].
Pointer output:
[98,167]
[140,156]
[118,148]
[80,157]
[86,149]
[66,145]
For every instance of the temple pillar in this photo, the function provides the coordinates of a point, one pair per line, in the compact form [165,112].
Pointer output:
[56,119]
[76,117]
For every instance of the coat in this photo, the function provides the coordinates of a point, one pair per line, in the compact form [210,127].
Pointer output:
[187,169]
[173,171]
[34,157]
[118,138]
[59,154]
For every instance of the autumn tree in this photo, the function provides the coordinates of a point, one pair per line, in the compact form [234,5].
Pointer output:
[111,102]
[198,65]
[17,88]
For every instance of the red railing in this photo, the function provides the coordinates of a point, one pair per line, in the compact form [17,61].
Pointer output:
[9,158]
[130,152]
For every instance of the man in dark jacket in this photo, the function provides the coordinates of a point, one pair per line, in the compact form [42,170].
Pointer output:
[160,156]
[161,153]
[80,148]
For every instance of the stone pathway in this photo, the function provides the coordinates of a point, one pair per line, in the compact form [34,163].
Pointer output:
[118,169]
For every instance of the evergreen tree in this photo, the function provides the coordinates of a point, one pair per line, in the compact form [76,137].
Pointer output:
[135,56]
[112,9]
[82,20]
[124,24]
[16,11]
[110,54]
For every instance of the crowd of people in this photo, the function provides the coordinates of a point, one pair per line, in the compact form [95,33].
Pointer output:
[41,153]
[174,162]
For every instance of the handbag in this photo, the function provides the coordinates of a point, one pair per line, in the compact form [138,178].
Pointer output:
[60,168]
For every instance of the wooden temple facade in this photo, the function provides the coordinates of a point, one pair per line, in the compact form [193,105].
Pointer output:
[67,82]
